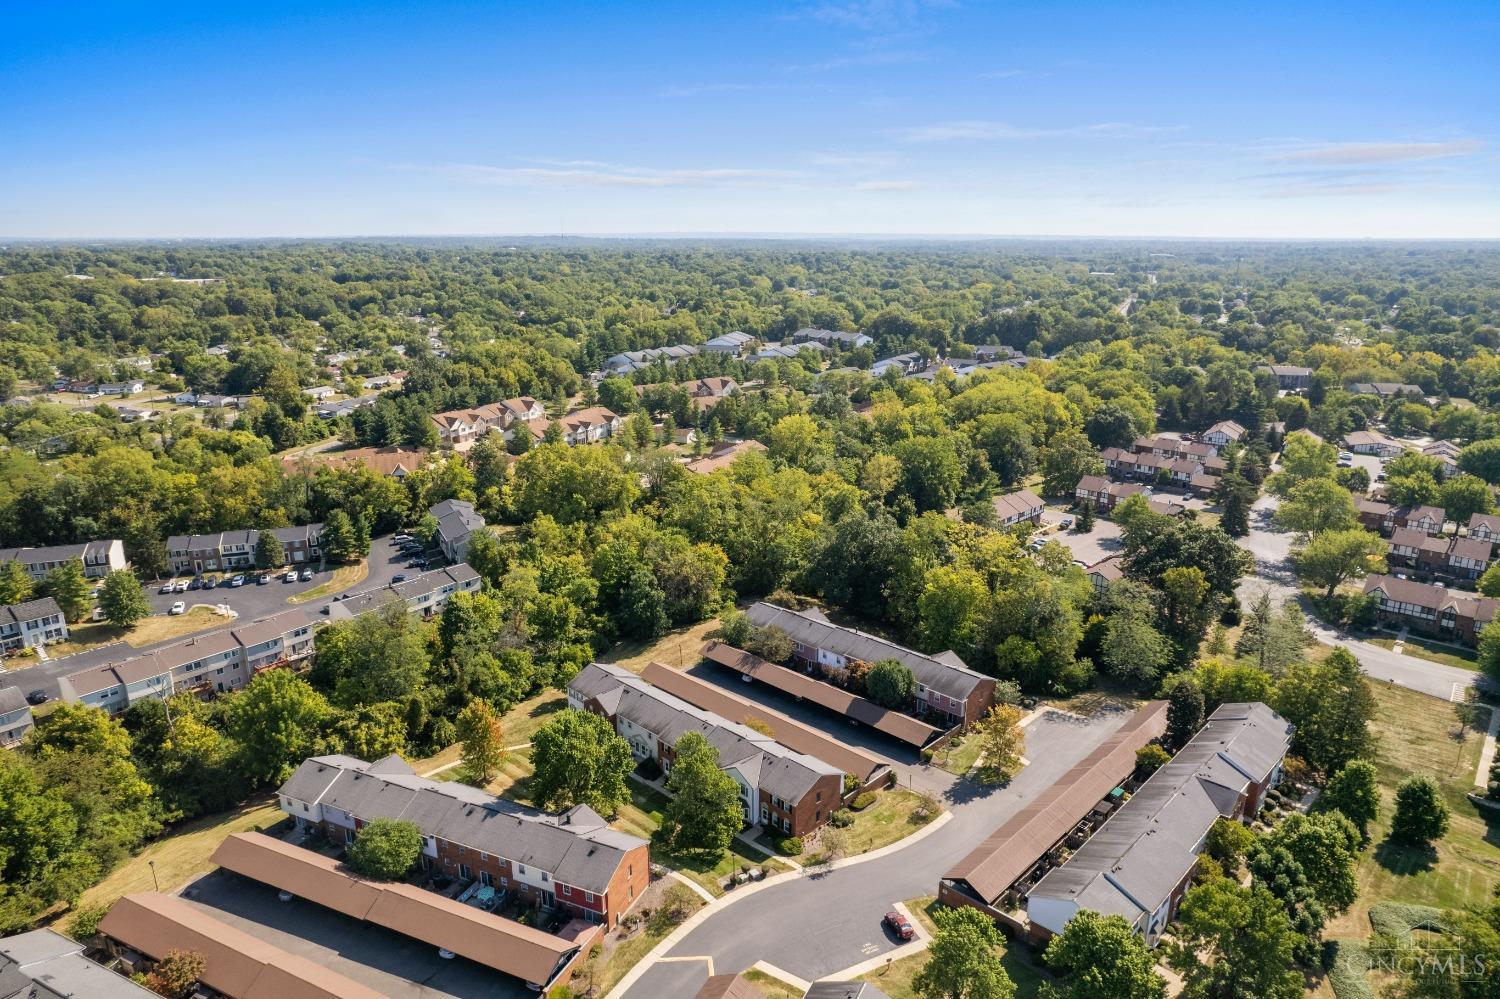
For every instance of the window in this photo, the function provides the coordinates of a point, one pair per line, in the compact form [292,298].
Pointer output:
[520,868]
[546,877]
[588,896]
[464,872]
[483,855]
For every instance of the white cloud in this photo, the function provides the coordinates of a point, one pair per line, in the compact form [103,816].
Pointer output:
[950,131]
[590,173]
[887,185]
[1341,154]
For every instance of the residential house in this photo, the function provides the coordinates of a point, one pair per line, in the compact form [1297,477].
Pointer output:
[122,388]
[136,414]
[1224,433]
[1102,494]
[1485,527]
[395,461]
[733,344]
[1022,506]
[15,717]
[1372,442]
[1176,447]
[587,426]
[1430,609]
[31,624]
[1188,474]
[723,456]
[1291,377]
[1424,518]
[458,522]
[1446,454]
[784,790]
[832,338]
[1468,558]
[572,861]
[99,558]
[1375,515]
[44,964]
[1105,571]
[706,392]
[637,360]
[334,410]
[426,594]
[994,352]
[235,550]
[946,688]
[902,364]
[1385,390]
[318,393]
[783,351]
[1138,865]
[460,428]
[381,382]
[1414,550]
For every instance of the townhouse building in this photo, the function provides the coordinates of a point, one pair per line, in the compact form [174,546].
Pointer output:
[1375,515]
[705,393]
[1020,507]
[732,344]
[334,410]
[1139,863]
[205,664]
[1445,453]
[902,364]
[832,338]
[1290,377]
[1429,519]
[1224,433]
[785,351]
[1372,442]
[1175,447]
[458,429]
[231,550]
[1102,494]
[1485,527]
[781,789]
[31,624]
[99,558]
[947,690]
[15,717]
[1187,474]
[457,522]
[587,426]
[426,594]
[1430,609]
[636,360]
[1386,390]
[571,861]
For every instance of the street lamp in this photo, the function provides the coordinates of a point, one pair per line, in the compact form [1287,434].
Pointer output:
[152,864]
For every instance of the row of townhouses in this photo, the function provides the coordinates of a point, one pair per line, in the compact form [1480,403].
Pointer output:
[99,558]
[573,860]
[1431,609]
[1289,377]
[426,594]
[457,522]
[460,428]
[947,690]
[1020,507]
[636,360]
[1426,556]
[236,549]
[1383,518]
[781,789]
[31,624]
[1103,496]
[15,717]
[1139,863]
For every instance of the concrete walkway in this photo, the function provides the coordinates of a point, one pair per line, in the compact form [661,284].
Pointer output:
[1487,754]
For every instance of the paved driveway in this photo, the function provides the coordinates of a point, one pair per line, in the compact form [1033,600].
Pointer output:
[815,925]
[1102,542]
[250,602]
[390,963]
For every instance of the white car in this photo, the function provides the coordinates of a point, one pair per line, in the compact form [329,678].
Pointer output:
[306,575]
[181,586]
[237,581]
[166,587]
[290,577]
[178,608]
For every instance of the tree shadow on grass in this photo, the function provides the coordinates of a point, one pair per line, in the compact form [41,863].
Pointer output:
[1406,859]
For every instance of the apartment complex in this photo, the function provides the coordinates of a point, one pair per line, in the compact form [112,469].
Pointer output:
[946,688]
[636,360]
[460,428]
[587,426]
[1431,609]
[458,522]
[733,344]
[1140,861]
[573,860]
[31,624]
[230,550]
[1291,377]
[99,558]
[1440,557]
[209,663]
[1020,507]
[426,594]
[44,964]
[832,338]
[780,788]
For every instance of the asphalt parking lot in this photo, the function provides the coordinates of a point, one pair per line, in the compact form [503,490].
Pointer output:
[249,603]
[1102,542]
[390,963]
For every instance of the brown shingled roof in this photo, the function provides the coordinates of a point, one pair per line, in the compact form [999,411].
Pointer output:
[729,987]
[790,681]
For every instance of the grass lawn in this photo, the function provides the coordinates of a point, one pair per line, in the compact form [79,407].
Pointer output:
[774,988]
[182,854]
[1419,736]
[621,956]
[146,631]
[889,819]
[1436,652]
[518,725]
[643,815]
[959,755]
[895,978]
[678,649]
[343,577]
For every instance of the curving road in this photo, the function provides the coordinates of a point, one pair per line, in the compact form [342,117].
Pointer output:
[816,925]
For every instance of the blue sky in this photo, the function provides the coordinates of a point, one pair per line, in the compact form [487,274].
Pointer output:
[852,116]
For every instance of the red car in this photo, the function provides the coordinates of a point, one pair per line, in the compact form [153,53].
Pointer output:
[900,925]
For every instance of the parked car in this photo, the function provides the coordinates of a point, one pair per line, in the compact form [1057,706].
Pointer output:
[1065,523]
[196,584]
[38,697]
[401,538]
[166,587]
[263,579]
[290,577]
[399,577]
[238,580]
[178,608]
[900,925]
[306,575]
[181,587]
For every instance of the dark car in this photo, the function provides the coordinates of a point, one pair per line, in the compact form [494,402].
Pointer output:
[196,584]
[399,577]
[899,925]
[37,697]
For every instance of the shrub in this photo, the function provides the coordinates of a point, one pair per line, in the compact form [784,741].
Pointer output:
[926,756]
[386,849]
[1007,692]
[862,801]
[1151,758]
[85,921]
[851,782]
[1396,921]
[791,846]
[842,818]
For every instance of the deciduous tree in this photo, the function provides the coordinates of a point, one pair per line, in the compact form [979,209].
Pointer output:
[579,760]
